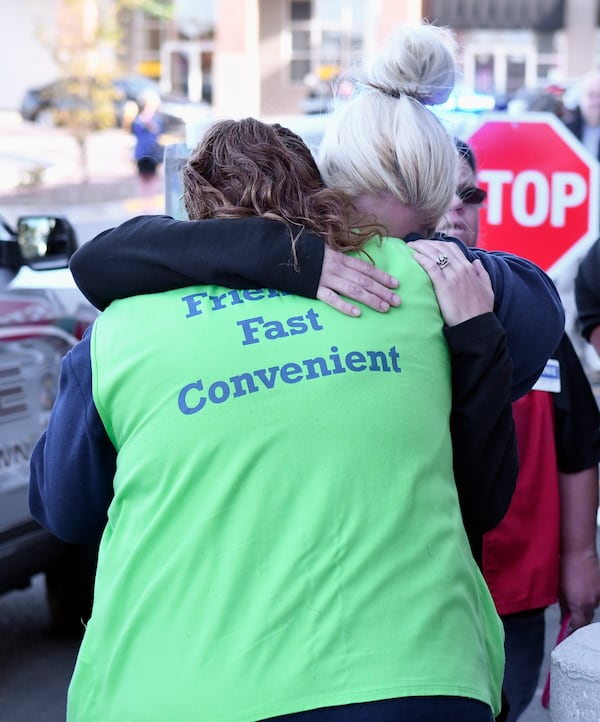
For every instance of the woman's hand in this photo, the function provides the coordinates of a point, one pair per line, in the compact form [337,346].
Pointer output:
[463,289]
[580,586]
[359,280]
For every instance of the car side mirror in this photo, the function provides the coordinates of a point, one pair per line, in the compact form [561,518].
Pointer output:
[45,241]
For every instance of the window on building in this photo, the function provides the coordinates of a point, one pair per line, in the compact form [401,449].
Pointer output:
[301,10]
[154,39]
[300,21]
[545,42]
[299,69]
[544,71]
[548,58]
[515,74]
[301,41]
[326,37]
[484,74]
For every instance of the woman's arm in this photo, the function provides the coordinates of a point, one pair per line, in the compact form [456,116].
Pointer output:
[484,443]
[577,437]
[156,253]
[149,254]
[579,568]
[73,463]
[486,459]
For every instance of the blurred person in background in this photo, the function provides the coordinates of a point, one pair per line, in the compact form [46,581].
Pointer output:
[586,127]
[585,124]
[587,296]
[544,550]
[147,126]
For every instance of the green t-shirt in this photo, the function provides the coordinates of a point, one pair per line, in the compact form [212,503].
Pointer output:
[285,532]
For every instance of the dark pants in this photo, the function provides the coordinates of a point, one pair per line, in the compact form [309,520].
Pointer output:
[524,645]
[408,709]
[147,166]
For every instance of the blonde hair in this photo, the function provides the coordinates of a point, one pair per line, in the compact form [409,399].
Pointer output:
[384,140]
[243,168]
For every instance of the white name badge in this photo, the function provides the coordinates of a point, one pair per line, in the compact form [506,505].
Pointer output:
[550,378]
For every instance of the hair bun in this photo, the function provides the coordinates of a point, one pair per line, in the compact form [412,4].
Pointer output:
[419,62]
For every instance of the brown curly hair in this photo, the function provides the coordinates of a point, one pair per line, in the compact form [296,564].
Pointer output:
[250,168]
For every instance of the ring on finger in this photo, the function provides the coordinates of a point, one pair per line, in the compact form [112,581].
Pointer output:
[442,261]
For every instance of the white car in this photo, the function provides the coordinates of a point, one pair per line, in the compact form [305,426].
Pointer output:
[42,315]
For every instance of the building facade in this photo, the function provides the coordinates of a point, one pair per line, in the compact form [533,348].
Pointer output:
[266,57]
[507,45]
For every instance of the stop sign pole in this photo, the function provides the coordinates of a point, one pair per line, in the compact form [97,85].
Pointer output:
[543,193]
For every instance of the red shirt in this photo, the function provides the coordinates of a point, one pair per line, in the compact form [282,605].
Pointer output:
[521,555]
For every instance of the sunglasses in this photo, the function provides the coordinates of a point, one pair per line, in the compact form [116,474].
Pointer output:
[470,194]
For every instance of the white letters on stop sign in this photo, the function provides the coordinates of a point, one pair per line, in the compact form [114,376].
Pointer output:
[550,197]
[568,191]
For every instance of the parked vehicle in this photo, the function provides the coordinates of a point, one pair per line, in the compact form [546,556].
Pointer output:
[112,99]
[42,315]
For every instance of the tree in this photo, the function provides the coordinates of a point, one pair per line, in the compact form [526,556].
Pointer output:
[84,45]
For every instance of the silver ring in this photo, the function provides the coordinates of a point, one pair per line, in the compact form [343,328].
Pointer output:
[442,261]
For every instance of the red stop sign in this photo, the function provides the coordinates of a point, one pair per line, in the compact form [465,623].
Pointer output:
[542,188]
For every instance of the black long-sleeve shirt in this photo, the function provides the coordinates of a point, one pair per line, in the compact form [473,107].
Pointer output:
[587,291]
[157,253]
